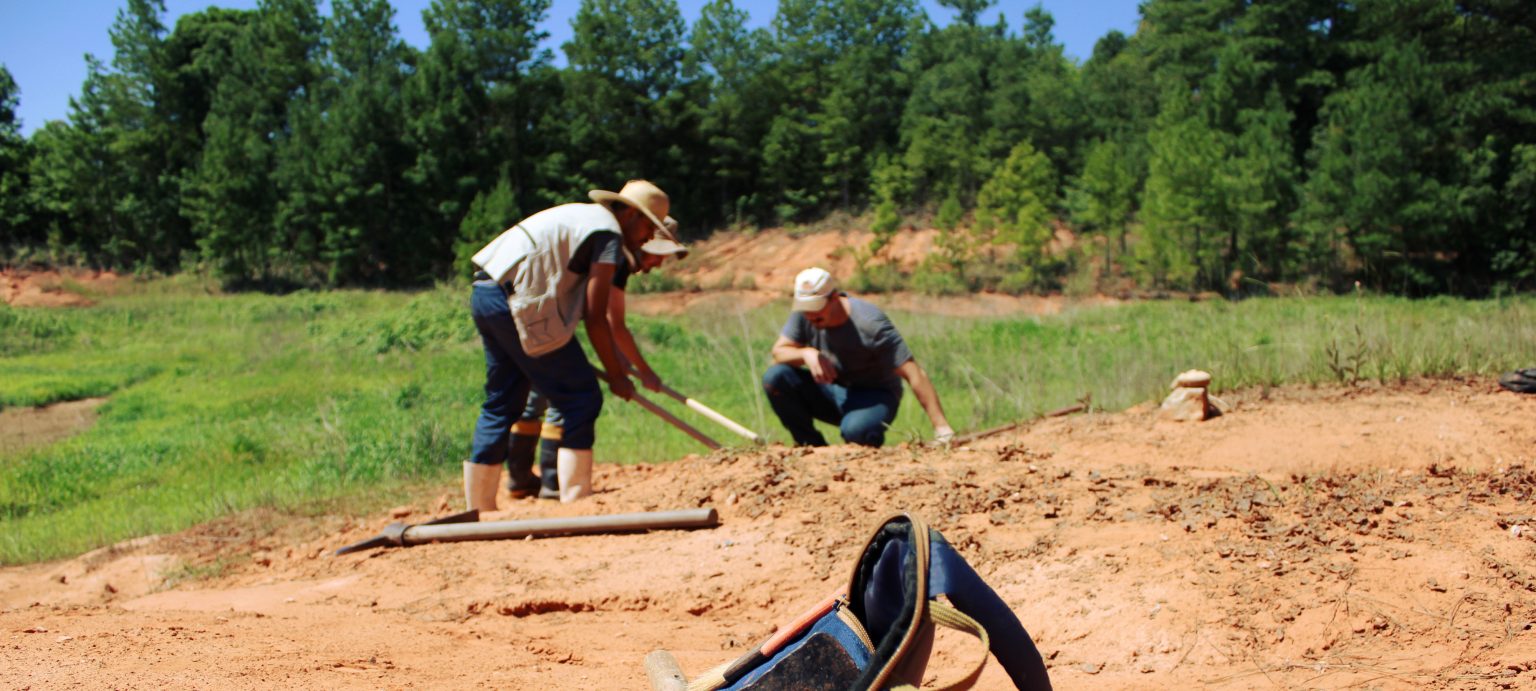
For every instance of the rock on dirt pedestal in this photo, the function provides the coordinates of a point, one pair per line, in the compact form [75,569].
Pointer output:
[1189,400]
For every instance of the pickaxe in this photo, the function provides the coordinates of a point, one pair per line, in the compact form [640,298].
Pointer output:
[462,527]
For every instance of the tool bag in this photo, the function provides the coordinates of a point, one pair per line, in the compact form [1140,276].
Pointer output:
[877,632]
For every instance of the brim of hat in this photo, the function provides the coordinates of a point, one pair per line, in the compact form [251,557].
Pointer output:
[810,304]
[604,196]
[663,247]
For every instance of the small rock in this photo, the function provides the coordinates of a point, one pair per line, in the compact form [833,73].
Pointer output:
[1194,379]
[401,511]
[1090,667]
[1184,405]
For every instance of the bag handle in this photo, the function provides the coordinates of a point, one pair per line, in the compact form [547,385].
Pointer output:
[944,615]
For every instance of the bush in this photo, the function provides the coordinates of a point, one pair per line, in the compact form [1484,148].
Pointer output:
[876,278]
[655,282]
[931,279]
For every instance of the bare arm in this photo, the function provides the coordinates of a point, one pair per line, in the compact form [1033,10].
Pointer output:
[599,284]
[923,389]
[626,340]
[787,352]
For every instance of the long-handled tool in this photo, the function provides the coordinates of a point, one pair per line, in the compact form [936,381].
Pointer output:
[462,527]
[662,413]
[709,412]
[1081,405]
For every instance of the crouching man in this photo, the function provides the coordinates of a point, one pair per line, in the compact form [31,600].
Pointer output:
[840,360]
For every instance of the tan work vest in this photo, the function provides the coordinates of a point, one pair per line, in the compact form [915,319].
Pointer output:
[529,260]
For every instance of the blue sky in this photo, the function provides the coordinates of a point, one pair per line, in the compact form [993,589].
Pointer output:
[43,42]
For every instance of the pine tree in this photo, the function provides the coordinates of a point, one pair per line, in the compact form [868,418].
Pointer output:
[730,62]
[945,117]
[1181,248]
[1102,199]
[342,169]
[474,108]
[16,215]
[1016,206]
[622,91]
[232,198]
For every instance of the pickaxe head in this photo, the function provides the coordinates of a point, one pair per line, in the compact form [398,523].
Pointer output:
[394,533]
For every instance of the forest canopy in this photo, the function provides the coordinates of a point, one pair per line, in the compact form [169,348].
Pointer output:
[1225,144]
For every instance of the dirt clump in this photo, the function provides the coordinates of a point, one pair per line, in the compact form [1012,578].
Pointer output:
[1320,538]
[55,287]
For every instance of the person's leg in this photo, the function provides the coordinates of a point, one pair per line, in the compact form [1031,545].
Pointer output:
[566,378]
[867,414]
[526,432]
[798,401]
[549,451]
[506,388]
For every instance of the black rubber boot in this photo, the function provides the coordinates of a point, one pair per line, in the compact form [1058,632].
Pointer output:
[521,481]
[550,488]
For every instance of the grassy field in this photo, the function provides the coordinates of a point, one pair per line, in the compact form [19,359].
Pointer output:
[218,403]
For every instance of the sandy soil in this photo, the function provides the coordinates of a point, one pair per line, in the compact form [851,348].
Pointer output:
[1311,538]
[51,288]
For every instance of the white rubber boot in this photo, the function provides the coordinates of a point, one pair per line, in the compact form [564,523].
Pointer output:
[575,467]
[481,480]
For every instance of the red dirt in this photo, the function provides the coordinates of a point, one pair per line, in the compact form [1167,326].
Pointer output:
[50,287]
[1320,538]
[753,269]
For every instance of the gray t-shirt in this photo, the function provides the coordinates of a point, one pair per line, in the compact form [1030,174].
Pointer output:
[866,349]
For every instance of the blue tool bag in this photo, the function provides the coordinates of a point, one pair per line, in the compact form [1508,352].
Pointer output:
[877,633]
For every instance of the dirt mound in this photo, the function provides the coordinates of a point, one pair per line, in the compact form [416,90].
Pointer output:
[1312,537]
[54,287]
[732,271]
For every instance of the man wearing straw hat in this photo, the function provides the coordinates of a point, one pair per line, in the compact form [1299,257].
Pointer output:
[538,279]
[542,426]
[840,360]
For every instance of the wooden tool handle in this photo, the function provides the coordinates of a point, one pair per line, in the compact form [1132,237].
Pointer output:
[660,412]
[664,673]
[707,411]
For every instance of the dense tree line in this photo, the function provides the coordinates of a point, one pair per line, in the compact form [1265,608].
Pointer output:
[1226,144]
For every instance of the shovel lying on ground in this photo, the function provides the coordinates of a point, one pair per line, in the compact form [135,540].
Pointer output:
[709,412]
[463,527]
[662,413]
[1080,406]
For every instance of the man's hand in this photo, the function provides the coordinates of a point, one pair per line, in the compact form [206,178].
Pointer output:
[621,386]
[649,379]
[821,367]
[943,434]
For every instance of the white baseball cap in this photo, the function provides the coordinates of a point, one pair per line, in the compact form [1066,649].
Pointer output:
[665,242]
[812,288]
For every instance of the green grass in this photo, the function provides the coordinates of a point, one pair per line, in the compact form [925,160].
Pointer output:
[301,403]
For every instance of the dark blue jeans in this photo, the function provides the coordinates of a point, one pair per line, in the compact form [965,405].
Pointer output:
[861,414]
[564,376]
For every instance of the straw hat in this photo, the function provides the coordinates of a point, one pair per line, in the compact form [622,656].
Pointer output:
[641,194]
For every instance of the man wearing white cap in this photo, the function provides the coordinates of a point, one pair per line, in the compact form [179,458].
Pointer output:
[542,276]
[840,360]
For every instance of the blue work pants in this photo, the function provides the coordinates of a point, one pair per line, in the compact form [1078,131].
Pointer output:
[862,414]
[564,376]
